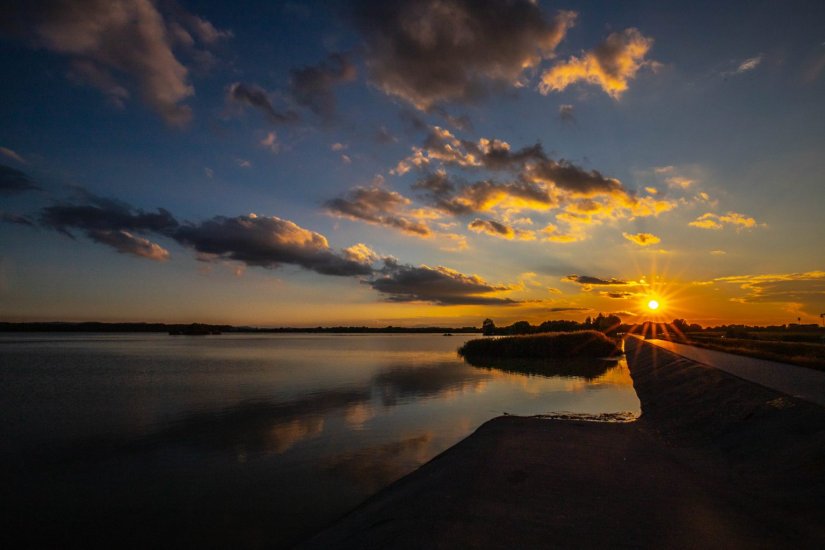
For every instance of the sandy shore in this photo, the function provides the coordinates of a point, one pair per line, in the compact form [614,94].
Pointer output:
[714,461]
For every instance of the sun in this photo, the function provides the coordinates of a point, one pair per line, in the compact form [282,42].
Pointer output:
[653,305]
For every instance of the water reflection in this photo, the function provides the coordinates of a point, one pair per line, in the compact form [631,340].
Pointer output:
[375,467]
[212,440]
[587,369]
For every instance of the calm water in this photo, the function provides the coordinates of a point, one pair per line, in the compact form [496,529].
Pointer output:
[239,440]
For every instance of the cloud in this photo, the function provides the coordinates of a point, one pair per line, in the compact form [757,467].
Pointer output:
[804,288]
[6,152]
[748,65]
[271,143]
[14,181]
[8,217]
[617,295]
[267,242]
[241,95]
[575,196]
[378,206]
[127,243]
[110,222]
[312,86]
[437,285]
[679,181]
[567,114]
[718,252]
[500,230]
[642,239]
[589,280]
[338,146]
[563,309]
[114,43]
[481,196]
[428,52]
[361,253]
[94,213]
[611,65]
[715,221]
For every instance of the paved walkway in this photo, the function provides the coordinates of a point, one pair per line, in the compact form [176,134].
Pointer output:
[801,382]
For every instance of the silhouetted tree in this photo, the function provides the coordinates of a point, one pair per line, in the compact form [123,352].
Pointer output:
[520,327]
[488,327]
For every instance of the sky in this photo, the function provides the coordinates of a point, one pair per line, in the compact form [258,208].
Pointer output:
[411,163]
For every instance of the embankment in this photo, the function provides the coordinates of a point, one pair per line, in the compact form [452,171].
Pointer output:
[714,461]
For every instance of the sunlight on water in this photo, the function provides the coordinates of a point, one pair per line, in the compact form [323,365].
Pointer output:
[250,439]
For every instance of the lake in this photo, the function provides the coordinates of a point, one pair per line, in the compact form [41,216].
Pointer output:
[248,441]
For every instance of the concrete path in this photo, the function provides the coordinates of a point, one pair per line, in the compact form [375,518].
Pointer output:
[800,382]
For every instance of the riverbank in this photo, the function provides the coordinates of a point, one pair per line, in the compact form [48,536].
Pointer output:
[714,461]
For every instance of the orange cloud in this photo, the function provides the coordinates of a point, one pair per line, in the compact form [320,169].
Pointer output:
[715,221]
[610,65]
[642,239]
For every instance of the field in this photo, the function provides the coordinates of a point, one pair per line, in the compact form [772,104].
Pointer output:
[804,349]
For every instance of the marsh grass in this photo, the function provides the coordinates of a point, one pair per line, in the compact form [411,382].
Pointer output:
[556,345]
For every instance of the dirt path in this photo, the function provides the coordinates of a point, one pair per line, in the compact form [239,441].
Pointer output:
[800,382]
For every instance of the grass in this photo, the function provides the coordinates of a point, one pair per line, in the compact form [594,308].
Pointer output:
[585,343]
[795,353]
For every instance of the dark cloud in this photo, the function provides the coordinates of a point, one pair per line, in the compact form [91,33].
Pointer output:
[574,179]
[312,87]
[91,213]
[110,222]
[8,217]
[618,295]
[437,285]
[427,52]
[267,242]
[378,206]
[500,230]
[112,45]
[529,164]
[14,181]
[491,226]
[563,309]
[255,96]
[588,280]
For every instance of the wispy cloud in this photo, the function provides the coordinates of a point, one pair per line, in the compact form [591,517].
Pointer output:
[312,86]
[13,155]
[240,94]
[807,288]
[14,181]
[716,221]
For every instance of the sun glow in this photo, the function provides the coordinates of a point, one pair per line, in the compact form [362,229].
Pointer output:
[653,305]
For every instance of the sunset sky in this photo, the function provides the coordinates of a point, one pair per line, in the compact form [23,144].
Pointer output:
[412,162]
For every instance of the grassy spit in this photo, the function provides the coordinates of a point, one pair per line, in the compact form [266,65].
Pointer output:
[585,343]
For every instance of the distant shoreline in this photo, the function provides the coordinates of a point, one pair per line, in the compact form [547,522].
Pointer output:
[58,326]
